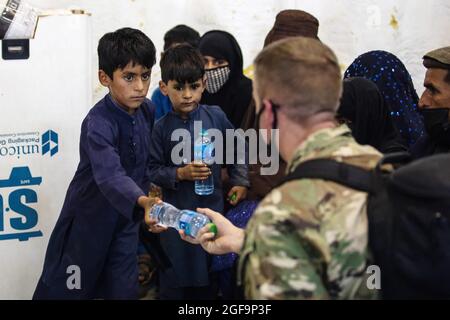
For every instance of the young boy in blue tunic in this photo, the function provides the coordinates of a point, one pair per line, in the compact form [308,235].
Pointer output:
[183,81]
[180,34]
[96,234]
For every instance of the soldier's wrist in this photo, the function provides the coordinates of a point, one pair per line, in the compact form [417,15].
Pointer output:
[237,241]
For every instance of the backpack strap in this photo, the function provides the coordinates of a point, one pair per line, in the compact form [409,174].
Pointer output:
[327,169]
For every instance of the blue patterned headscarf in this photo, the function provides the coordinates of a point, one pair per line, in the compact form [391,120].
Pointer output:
[395,84]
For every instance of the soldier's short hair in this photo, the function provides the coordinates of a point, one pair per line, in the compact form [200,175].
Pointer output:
[300,74]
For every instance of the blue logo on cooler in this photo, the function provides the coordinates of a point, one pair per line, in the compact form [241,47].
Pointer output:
[50,143]
[18,201]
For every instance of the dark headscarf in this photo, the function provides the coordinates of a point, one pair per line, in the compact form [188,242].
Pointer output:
[396,86]
[365,107]
[235,96]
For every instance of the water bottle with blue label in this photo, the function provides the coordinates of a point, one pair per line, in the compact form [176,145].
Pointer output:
[203,152]
[189,221]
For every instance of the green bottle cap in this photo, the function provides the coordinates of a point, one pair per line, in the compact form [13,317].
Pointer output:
[212,228]
[233,197]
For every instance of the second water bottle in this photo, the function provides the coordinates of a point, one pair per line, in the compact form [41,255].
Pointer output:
[203,152]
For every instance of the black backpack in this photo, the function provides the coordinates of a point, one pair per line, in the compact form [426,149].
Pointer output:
[409,219]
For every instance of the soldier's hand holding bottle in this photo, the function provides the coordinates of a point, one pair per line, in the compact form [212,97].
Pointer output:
[228,238]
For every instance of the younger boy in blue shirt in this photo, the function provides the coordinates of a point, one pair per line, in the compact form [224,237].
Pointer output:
[183,81]
[180,34]
[96,234]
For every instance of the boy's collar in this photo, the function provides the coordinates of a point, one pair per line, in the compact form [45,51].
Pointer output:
[191,115]
[115,106]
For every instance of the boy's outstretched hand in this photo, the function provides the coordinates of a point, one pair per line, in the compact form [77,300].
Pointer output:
[153,226]
[193,171]
[147,203]
[236,194]
[229,238]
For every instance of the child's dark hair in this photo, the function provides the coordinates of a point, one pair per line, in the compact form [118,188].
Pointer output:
[183,64]
[181,34]
[117,49]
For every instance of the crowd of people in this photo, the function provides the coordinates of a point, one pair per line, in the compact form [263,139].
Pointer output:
[291,235]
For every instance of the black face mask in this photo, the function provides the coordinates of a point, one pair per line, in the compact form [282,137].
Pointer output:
[437,125]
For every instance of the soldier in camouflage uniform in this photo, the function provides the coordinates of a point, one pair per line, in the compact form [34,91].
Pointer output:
[308,239]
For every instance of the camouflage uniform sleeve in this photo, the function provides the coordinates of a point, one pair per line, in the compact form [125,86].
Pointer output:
[282,257]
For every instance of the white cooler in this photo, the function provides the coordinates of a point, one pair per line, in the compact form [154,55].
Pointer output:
[43,100]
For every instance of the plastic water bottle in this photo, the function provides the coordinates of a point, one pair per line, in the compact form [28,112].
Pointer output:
[203,152]
[189,221]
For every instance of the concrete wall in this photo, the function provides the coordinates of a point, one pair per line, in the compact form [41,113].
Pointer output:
[405,28]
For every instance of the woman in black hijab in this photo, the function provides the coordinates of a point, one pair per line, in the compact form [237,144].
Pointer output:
[364,110]
[226,84]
